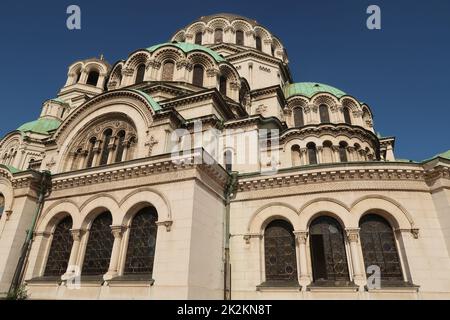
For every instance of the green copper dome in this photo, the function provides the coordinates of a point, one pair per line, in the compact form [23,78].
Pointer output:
[309,89]
[188,47]
[42,125]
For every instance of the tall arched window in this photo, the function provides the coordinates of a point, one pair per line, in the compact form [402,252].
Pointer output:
[240,37]
[198,37]
[228,160]
[379,247]
[93,78]
[59,254]
[343,152]
[295,154]
[298,117]
[167,71]
[2,204]
[105,149]
[328,254]
[197,78]
[140,72]
[324,114]
[347,117]
[223,85]
[142,242]
[218,35]
[258,43]
[279,252]
[120,146]
[91,152]
[78,76]
[99,246]
[312,153]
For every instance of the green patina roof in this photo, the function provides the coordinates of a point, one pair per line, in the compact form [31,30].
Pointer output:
[41,125]
[445,155]
[153,103]
[188,47]
[10,168]
[309,89]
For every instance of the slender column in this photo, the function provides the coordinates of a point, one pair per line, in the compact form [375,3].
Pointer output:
[111,147]
[125,150]
[117,232]
[301,237]
[353,239]
[72,264]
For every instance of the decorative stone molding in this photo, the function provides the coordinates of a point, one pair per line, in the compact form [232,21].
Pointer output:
[118,231]
[76,234]
[247,237]
[167,224]
[352,234]
[212,73]
[301,236]
[150,144]
[127,72]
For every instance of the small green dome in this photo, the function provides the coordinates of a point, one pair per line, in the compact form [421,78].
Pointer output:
[41,125]
[309,89]
[188,47]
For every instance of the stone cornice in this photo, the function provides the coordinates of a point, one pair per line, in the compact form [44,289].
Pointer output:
[193,159]
[370,171]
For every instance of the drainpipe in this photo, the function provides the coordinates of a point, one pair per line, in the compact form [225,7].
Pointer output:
[44,187]
[229,194]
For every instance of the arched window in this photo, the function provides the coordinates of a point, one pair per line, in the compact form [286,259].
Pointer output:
[76,159]
[298,117]
[218,35]
[240,37]
[295,153]
[120,146]
[2,204]
[93,78]
[328,254]
[198,37]
[279,252]
[324,114]
[91,152]
[343,152]
[223,85]
[99,246]
[140,73]
[228,160]
[258,43]
[167,71]
[142,242]
[197,78]
[105,149]
[312,153]
[30,163]
[78,76]
[59,254]
[347,118]
[379,248]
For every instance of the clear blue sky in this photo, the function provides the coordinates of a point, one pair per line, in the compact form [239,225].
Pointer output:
[401,71]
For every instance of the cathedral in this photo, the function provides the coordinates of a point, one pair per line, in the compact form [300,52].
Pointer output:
[199,169]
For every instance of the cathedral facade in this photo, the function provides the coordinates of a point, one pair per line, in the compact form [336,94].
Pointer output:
[198,169]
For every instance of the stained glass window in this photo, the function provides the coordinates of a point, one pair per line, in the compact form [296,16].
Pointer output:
[379,248]
[258,43]
[240,37]
[324,114]
[218,36]
[343,152]
[198,38]
[223,85]
[142,242]
[120,146]
[140,73]
[105,150]
[347,118]
[59,254]
[99,246]
[197,78]
[312,153]
[298,117]
[279,251]
[167,71]
[329,258]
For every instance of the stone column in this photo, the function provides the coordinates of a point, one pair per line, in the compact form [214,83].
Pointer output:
[126,145]
[117,232]
[72,264]
[111,147]
[353,239]
[301,237]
